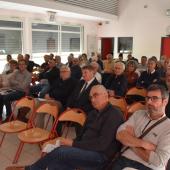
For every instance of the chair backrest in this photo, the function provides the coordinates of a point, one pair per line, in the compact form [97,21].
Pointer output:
[73,115]
[69,118]
[119,102]
[26,102]
[51,109]
[137,91]
[134,107]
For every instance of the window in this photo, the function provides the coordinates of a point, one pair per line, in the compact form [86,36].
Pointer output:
[44,38]
[10,37]
[57,39]
[125,44]
[70,39]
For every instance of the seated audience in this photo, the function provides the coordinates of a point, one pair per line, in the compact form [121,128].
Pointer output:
[96,73]
[117,82]
[20,57]
[151,76]
[96,58]
[58,61]
[13,65]
[70,60]
[130,57]
[44,66]
[76,69]
[120,58]
[108,64]
[80,95]
[30,64]
[152,150]
[47,80]
[7,65]
[83,60]
[108,67]
[164,64]
[63,87]
[167,82]
[96,144]
[131,74]
[142,66]
[19,82]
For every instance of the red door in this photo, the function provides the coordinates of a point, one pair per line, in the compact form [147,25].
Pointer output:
[165,46]
[107,46]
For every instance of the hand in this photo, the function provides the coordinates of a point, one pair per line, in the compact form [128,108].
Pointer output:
[148,146]
[66,142]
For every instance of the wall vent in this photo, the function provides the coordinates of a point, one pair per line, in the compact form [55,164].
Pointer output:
[106,6]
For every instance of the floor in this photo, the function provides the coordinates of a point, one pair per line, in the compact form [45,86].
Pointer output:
[8,149]
[29,154]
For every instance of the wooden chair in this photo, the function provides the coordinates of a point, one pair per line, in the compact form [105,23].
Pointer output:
[72,115]
[16,126]
[134,107]
[135,94]
[38,135]
[119,102]
[137,91]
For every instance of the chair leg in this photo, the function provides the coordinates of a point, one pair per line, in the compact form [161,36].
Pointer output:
[4,134]
[18,152]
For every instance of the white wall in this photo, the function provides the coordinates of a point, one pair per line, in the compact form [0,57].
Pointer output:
[145,25]
[90,27]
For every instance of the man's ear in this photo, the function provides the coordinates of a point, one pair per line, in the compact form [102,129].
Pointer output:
[165,101]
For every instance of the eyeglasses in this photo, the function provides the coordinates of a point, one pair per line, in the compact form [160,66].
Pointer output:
[153,98]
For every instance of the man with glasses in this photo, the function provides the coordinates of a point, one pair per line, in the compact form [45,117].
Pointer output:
[152,151]
[93,147]
[19,82]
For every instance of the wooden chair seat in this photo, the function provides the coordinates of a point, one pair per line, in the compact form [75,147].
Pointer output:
[34,135]
[14,126]
[73,117]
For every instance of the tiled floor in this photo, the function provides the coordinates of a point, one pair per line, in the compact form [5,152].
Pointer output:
[29,154]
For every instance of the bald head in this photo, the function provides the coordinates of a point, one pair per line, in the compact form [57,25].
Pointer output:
[99,97]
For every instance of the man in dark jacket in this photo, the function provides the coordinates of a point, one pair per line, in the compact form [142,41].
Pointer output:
[94,146]
[47,79]
[30,64]
[151,76]
[80,96]
[117,82]
[63,87]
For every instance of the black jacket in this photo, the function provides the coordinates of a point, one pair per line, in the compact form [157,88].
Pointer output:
[81,101]
[51,75]
[62,89]
[99,131]
[117,83]
[31,65]
[147,79]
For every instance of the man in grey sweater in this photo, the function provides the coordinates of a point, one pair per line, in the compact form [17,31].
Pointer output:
[19,82]
[151,152]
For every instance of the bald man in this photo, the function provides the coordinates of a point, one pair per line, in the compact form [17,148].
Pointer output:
[94,146]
